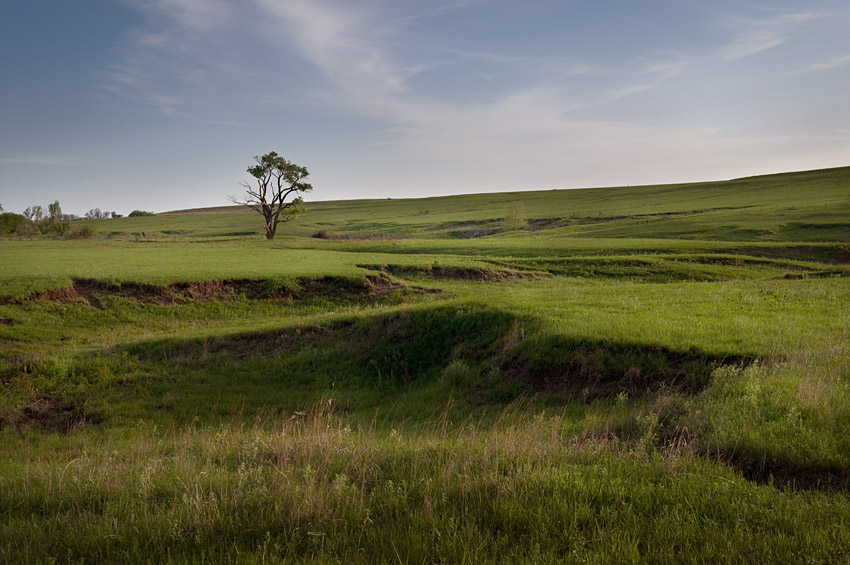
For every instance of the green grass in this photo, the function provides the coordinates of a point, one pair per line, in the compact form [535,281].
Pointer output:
[766,208]
[645,374]
[313,488]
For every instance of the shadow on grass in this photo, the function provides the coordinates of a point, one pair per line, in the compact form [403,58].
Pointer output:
[444,272]
[781,473]
[597,369]
[96,292]
[481,355]
[505,355]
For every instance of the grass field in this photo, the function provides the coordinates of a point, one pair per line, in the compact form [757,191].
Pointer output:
[641,374]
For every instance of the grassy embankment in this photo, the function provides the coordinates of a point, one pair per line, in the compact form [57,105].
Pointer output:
[648,373]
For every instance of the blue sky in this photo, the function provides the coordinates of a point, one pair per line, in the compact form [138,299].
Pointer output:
[161,104]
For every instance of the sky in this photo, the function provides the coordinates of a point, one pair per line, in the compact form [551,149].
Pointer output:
[162,104]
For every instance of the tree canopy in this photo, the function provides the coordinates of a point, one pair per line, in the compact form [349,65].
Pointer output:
[275,180]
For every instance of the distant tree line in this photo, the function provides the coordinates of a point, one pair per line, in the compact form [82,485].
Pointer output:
[35,220]
[97,214]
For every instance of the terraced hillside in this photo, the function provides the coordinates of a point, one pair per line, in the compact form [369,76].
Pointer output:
[636,374]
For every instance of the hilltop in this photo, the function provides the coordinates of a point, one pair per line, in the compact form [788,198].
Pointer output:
[801,206]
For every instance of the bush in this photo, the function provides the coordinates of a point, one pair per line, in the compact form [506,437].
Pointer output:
[80,232]
[56,227]
[458,374]
[515,219]
[12,223]
[138,213]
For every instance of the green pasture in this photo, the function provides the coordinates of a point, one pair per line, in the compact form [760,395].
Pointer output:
[60,262]
[643,374]
[768,208]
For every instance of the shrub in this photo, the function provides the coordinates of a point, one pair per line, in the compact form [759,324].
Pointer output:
[56,227]
[12,223]
[458,374]
[80,232]
[515,219]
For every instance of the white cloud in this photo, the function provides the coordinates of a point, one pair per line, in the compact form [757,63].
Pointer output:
[833,63]
[342,43]
[527,137]
[526,134]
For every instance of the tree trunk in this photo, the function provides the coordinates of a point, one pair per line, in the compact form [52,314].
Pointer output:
[271,225]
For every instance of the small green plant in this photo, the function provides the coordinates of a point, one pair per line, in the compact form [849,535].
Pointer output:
[458,374]
[515,219]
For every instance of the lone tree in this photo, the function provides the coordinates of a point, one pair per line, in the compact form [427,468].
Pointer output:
[276,180]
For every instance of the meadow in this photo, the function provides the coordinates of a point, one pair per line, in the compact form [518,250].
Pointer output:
[630,374]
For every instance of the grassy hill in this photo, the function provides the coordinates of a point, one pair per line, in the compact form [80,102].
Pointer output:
[654,373]
[806,206]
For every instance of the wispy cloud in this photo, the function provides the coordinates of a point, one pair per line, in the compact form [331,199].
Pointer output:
[437,8]
[756,35]
[833,63]
[343,43]
[196,15]
[360,59]
[133,80]
[182,58]
[354,48]
[40,160]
